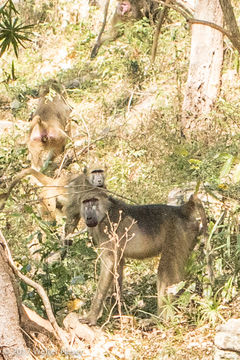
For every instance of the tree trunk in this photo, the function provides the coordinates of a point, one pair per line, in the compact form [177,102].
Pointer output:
[204,70]
[231,22]
[12,344]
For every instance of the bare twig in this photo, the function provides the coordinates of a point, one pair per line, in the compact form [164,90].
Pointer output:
[210,24]
[98,42]
[118,251]
[158,29]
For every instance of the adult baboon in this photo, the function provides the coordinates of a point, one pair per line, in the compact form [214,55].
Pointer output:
[126,10]
[59,193]
[77,188]
[50,125]
[96,176]
[139,231]
[53,195]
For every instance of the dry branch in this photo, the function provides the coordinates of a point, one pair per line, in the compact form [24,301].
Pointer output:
[158,29]
[97,45]
[231,23]
[58,332]
[234,33]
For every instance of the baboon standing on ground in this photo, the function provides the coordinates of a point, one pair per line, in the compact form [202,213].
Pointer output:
[139,231]
[50,126]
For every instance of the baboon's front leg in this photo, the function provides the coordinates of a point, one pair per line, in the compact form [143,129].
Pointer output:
[104,283]
[71,223]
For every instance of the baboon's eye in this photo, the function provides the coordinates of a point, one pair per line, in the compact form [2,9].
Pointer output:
[93,201]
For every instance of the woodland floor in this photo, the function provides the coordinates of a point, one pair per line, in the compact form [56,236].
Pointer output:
[56,53]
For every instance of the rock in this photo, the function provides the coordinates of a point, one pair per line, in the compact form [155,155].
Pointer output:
[227,340]
[73,84]
[225,355]
[75,328]
[15,105]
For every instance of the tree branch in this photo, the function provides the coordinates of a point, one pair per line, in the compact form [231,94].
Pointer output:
[97,45]
[231,23]
[210,24]
[233,34]
[58,332]
[158,29]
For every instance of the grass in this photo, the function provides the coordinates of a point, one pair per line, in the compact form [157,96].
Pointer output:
[129,111]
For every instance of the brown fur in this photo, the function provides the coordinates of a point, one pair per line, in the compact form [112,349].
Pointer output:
[62,193]
[52,195]
[126,10]
[142,231]
[49,128]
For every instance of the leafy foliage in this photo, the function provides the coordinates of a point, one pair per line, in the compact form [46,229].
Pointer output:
[127,115]
[12,31]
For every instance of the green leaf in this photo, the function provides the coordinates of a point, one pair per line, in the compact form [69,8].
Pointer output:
[15,46]
[227,166]
[13,33]
[4,46]
[195,161]
[13,71]
[236,173]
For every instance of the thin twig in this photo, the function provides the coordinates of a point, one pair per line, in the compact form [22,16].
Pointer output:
[98,42]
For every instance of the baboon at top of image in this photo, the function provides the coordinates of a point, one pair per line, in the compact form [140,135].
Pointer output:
[50,126]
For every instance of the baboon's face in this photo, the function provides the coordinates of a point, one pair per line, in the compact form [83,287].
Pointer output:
[123,8]
[94,209]
[89,210]
[96,178]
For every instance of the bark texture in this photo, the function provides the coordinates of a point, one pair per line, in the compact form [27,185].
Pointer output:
[12,344]
[205,66]
[231,23]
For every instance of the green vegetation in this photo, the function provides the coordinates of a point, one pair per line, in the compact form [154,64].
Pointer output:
[126,112]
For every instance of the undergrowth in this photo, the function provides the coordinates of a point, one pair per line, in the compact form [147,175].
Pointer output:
[146,158]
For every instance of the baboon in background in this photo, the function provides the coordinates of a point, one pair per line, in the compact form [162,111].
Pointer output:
[126,10]
[77,188]
[50,125]
[53,195]
[96,176]
[142,231]
[55,192]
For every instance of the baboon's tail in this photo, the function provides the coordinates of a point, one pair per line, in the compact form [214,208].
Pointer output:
[44,180]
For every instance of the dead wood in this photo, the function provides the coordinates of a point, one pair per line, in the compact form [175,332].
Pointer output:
[59,334]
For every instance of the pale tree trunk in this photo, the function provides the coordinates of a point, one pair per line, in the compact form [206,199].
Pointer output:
[204,73]
[12,344]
